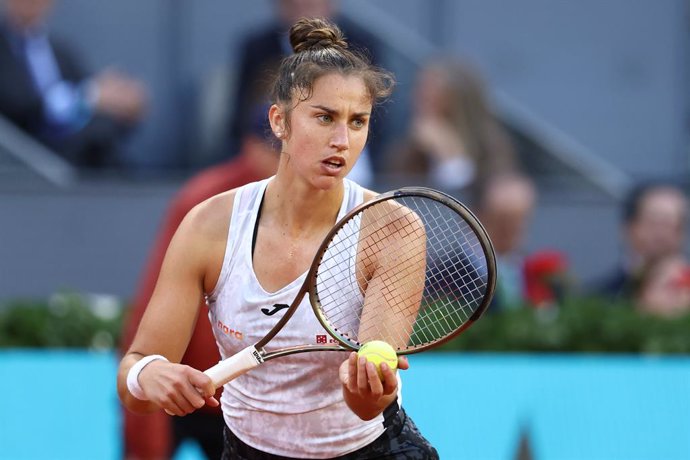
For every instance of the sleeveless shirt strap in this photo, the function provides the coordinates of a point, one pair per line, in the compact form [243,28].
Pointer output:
[256,223]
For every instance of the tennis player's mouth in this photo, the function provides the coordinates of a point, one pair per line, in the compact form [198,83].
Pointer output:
[334,164]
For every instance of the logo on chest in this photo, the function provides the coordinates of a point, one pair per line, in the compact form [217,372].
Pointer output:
[274,309]
[230,332]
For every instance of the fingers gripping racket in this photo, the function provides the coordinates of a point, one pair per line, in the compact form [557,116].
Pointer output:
[413,267]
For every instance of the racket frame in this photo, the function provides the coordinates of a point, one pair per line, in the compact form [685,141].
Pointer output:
[255,354]
[411,191]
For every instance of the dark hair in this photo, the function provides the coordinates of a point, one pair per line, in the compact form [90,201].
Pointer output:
[321,48]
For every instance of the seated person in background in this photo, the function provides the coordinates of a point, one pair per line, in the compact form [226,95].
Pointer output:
[453,140]
[505,207]
[157,435]
[45,93]
[260,55]
[653,272]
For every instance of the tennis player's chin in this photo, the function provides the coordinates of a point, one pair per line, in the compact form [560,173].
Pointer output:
[328,177]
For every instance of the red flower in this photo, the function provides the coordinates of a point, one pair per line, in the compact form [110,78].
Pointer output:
[682,278]
[544,274]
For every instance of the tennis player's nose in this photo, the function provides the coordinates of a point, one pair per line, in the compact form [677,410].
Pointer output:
[340,137]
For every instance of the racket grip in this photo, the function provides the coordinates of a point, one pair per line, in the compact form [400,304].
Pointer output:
[234,366]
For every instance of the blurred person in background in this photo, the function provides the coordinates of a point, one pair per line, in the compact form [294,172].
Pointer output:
[45,92]
[453,140]
[653,273]
[261,52]
[157,435]
[505,206]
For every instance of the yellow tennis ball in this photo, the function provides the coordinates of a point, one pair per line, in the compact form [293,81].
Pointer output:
[377,352]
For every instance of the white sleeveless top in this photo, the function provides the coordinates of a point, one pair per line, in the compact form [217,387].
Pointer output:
[293,405]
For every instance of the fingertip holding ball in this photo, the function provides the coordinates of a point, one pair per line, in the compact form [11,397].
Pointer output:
[377,352]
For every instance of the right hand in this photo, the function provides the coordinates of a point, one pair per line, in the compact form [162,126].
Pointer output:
[177,388]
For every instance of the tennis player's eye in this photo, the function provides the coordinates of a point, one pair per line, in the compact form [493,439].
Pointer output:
[359,123]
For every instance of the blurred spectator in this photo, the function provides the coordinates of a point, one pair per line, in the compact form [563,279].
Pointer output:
[157,436]
[261,52]
[453,139]
[505,207]
[45,92]
[654,271]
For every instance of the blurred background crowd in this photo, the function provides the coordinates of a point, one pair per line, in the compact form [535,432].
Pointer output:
[562,125]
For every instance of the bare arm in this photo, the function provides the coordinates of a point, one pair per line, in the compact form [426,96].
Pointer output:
[392,300]
[190,268]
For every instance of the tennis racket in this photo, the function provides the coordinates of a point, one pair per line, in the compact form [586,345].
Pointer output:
[412,267]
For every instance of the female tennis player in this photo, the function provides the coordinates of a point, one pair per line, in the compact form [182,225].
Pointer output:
[248,251]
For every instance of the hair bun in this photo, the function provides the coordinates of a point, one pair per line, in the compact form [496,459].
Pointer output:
[315,33]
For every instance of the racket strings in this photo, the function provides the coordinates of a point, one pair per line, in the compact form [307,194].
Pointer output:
[409,270]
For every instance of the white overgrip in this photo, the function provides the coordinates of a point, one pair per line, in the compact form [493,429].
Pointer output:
[234,366]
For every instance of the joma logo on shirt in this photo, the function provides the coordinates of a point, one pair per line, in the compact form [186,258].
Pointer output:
[276,308]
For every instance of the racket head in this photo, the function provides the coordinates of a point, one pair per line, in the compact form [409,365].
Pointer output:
[413,267]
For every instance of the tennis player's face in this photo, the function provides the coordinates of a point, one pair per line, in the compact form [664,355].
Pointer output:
[328,131]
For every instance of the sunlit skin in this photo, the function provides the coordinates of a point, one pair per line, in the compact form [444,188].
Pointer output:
[322,141]
[326,133]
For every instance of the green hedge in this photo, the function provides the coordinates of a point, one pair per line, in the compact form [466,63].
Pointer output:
[66,320]
[578,325]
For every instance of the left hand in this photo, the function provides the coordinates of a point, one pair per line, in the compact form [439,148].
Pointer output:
[360,378]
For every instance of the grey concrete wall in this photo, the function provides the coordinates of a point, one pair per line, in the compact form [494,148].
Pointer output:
[91,239]
[95,238]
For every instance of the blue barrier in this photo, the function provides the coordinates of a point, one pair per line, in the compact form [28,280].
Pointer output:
[58,405]
[63,405]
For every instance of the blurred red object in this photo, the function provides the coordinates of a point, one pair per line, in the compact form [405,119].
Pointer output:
[545,277]
[682,278]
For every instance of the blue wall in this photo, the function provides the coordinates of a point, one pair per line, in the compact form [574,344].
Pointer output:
[63,405]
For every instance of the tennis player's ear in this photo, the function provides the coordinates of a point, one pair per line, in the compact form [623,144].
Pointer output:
[276,117]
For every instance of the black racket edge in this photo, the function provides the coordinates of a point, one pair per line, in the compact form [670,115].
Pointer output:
[446,199]
[479,230]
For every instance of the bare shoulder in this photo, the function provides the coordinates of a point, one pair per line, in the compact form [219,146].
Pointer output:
[370,195]
[211,217]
